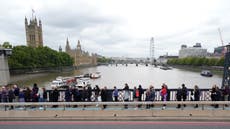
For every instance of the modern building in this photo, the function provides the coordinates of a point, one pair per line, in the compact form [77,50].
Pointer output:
[220,51]
[194,51]
[33,32]
[81,58]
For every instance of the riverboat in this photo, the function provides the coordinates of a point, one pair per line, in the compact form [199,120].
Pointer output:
[57,83]
[95,75]
[206,73]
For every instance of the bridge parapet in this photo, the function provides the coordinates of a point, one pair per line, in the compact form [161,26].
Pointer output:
[205,95]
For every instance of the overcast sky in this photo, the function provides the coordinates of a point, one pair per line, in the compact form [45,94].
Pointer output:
[120,27]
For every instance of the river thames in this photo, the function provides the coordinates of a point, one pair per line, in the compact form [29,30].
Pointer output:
[113,75]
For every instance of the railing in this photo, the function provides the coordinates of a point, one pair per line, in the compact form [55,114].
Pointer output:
[64,105]
[205,95]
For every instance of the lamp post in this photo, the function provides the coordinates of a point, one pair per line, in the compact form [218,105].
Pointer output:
[4,68]
[226,76]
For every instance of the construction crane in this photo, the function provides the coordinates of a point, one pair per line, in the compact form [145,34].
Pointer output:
[152,50]
[224,49]
[221,39]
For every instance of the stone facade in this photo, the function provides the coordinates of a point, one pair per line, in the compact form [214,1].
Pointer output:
[4,68]
[33,33]
[81,58]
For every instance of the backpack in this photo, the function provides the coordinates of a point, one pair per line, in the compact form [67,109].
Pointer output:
[137,93]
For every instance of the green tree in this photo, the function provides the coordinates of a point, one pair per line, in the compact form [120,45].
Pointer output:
[197,61]
[28,57]
[6,45]
[220,62]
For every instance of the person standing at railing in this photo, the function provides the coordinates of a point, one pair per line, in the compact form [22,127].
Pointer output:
[40,96]
[184,93]
[97,92]
[35,96]
[126,93]
[55,95]
[168,93]
[89,93]
[218,96]
[226,92]
[141,92]
[196,93]
[16,93]
[147,97]
[84,94]
[27,94]
[68,96]
[136,95]
[215,93]
[163,93]
[179,96]
[115,94]
[76,94]
[4,94]
[44,94]
[152,94]
[11,97]
[104,95]
[21,96]
[0,94]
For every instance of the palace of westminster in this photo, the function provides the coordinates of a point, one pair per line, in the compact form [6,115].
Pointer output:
[34,38]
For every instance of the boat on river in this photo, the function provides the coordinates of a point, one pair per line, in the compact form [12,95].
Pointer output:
[206,73]
[165,68]
[95,75]
[57,83]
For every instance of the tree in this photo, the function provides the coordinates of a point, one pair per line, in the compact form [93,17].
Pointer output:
[197,61]
[28,57]
[6,45]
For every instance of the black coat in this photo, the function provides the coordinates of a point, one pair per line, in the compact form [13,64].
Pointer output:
[197,95]
[103,95]
[55,95]
[179,94]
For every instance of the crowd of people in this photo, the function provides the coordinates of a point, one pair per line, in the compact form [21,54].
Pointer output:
[72,94]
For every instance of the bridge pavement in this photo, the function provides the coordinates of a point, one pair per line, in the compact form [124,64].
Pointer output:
[113,125]
[105,115]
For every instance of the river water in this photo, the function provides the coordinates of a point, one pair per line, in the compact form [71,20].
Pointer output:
[119,75]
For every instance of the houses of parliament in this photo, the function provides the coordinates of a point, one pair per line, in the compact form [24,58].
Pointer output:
[34,38]
[81,58]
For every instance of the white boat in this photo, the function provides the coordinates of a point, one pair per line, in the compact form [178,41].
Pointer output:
[82,82]
[95,75]
[57,83]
